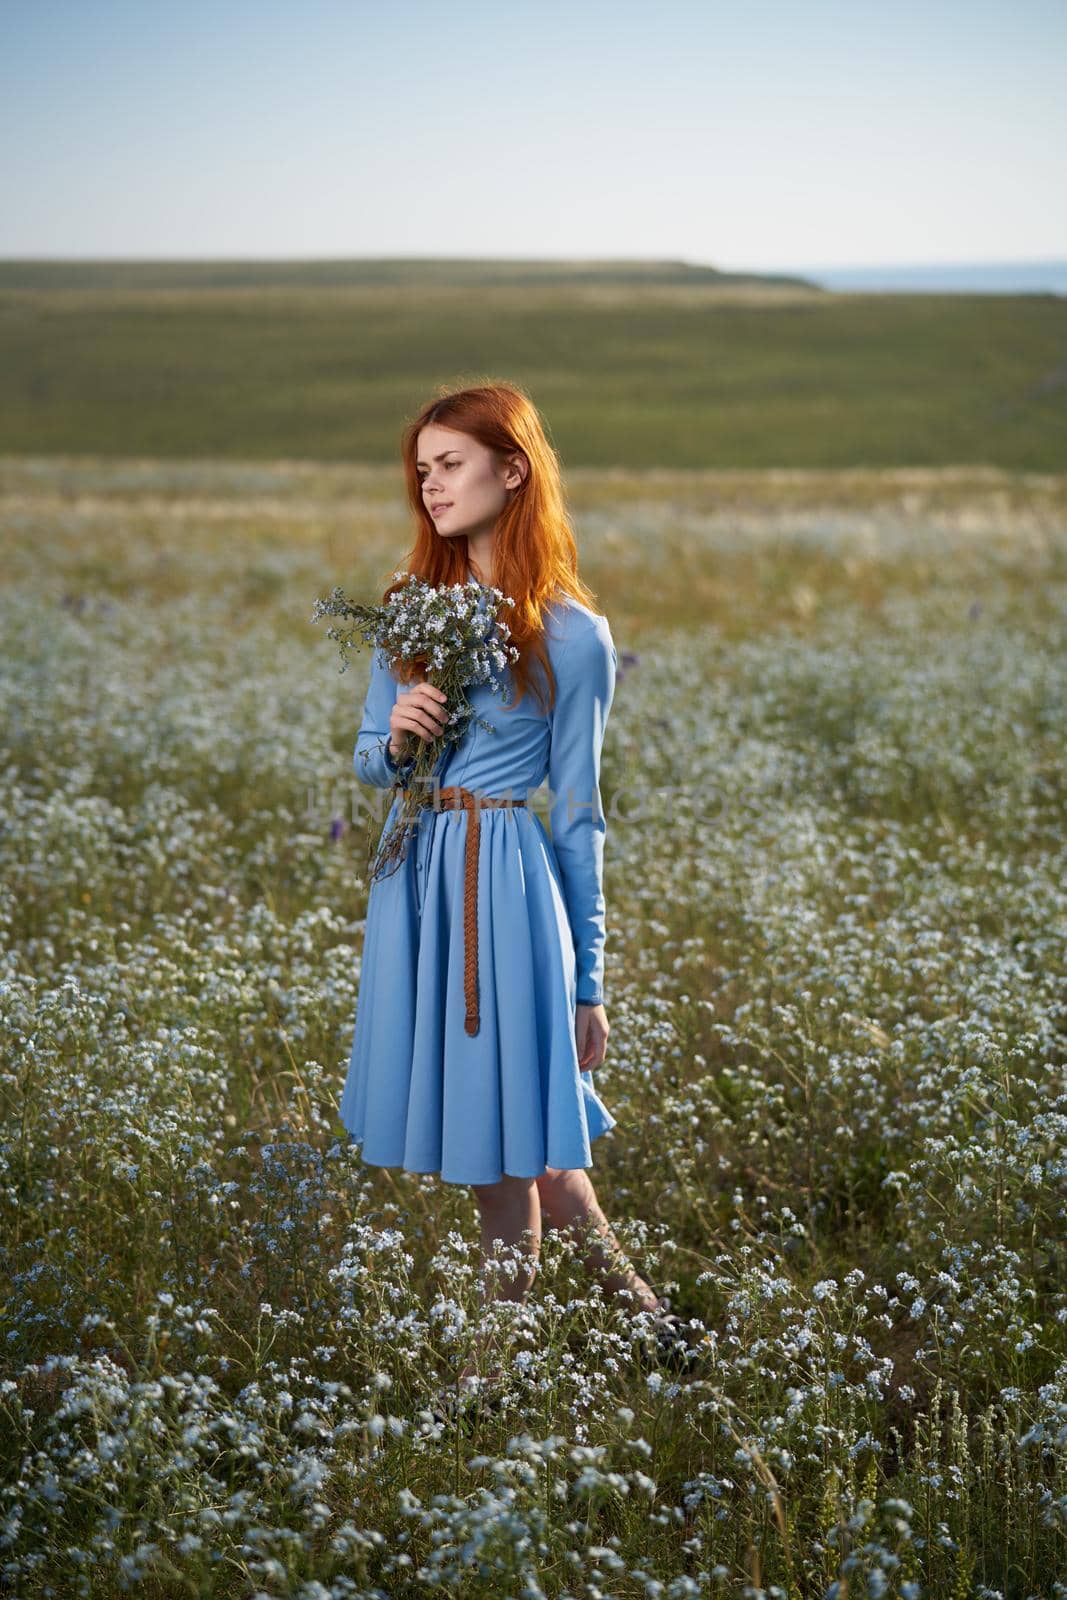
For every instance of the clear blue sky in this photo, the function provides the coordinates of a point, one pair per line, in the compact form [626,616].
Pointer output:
[762,134]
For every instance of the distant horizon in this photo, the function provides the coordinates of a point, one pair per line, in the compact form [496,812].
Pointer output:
[919,263]
[1004,275]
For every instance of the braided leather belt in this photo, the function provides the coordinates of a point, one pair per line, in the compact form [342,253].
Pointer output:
[456,797]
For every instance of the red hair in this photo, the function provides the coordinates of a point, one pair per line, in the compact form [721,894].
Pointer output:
[535,556]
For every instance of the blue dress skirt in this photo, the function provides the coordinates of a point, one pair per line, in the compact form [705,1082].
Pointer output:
[422,1092]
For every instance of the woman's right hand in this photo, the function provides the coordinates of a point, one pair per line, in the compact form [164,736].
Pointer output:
[419,709]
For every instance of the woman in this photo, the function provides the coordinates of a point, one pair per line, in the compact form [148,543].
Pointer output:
[482,1070]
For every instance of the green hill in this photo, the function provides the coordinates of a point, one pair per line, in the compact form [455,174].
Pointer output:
[662,364]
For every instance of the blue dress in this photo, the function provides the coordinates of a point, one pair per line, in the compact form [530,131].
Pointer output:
[422,1093]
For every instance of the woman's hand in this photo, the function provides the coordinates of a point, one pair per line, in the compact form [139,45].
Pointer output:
[419,709]
[591,1036]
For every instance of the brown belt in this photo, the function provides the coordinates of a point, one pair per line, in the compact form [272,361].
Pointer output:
[456,797]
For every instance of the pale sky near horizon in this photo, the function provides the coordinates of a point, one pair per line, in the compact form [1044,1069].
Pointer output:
[765,136]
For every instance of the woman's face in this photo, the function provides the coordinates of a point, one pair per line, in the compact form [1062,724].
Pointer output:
[464,486]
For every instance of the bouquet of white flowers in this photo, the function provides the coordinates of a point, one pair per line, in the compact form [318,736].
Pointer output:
[457,637]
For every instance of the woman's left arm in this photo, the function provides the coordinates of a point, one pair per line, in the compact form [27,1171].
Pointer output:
[585,672]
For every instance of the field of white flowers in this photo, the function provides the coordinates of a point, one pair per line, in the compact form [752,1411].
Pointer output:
[837,988]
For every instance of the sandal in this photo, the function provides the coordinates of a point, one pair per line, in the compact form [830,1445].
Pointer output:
[464,1402]
[673,1343]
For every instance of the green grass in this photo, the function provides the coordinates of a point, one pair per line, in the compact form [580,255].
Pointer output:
[638,365]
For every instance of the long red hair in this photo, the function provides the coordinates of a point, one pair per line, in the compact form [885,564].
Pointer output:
[535,556]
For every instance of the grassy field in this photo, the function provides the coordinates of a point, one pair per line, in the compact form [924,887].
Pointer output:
[647,365]
[836,994]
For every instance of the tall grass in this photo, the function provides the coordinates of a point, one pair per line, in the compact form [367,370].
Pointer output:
[835,874]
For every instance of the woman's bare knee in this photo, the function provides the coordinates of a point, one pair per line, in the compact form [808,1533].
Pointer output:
[566,1193]
[560,1180]
[504,1192]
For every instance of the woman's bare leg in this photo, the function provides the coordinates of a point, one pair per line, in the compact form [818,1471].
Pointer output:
[511,1212]
[515,1209]
[568,1200]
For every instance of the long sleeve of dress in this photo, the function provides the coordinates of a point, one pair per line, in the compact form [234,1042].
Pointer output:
[371,759]
[585,671]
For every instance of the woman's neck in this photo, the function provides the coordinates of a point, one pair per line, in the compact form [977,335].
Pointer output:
[480,561]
